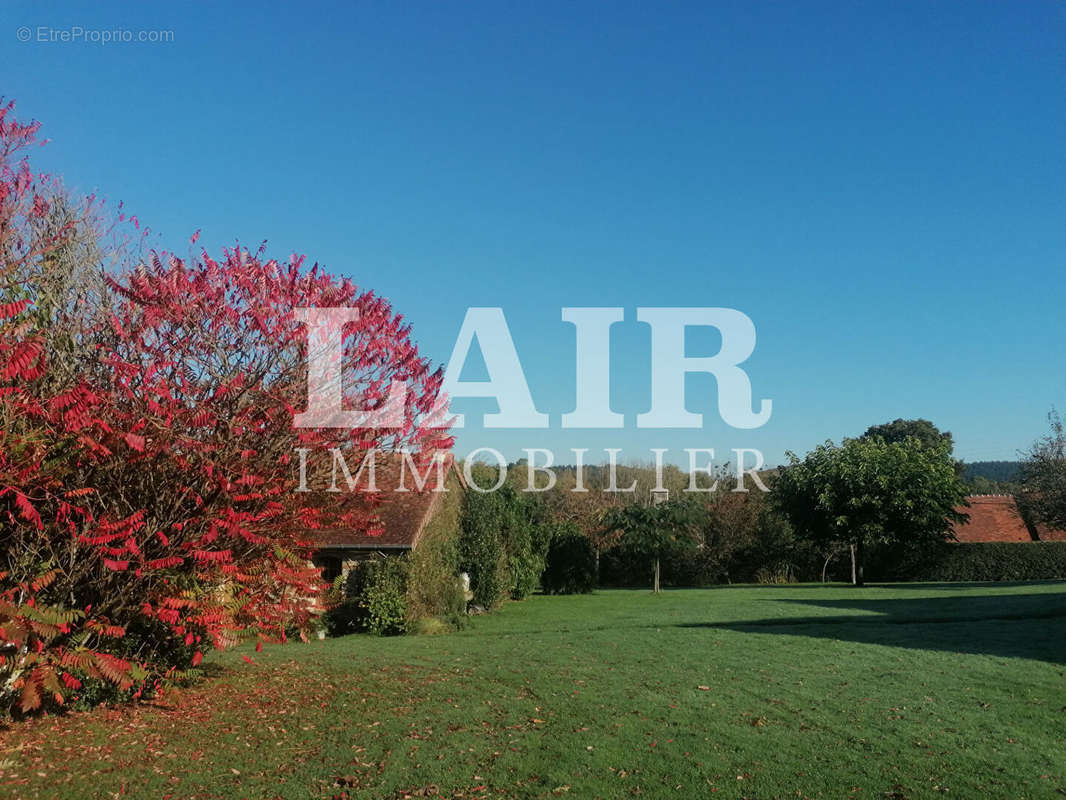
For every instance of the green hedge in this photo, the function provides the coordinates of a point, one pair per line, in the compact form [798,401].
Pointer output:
[974,561]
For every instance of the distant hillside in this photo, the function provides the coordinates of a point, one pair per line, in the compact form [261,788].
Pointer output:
[996,471]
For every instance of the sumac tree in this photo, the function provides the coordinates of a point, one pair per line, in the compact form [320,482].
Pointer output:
[147,461]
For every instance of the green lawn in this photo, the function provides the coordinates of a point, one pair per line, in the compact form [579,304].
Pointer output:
[904,691]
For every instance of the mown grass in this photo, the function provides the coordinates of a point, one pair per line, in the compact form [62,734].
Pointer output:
[905,691]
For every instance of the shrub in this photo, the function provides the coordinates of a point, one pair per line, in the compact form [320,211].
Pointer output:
[373,597]
[570,566]
[429,626]
[344,613]
[778,572]
[773,551]
[434,590]
[384,595]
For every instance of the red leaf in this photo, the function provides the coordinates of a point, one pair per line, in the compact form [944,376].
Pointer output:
[27,511]
[9,310]
[164,563]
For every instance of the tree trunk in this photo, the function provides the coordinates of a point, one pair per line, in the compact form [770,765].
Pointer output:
[655,584]
[859,581]
[597,583]
[854,573]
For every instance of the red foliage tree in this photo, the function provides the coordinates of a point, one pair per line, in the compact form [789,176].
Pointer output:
[147,509]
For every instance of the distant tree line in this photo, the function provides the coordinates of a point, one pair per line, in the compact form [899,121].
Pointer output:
[995,472]
[883,503]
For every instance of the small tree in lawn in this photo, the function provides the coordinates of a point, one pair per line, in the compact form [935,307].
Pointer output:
[655,531]
[872,490]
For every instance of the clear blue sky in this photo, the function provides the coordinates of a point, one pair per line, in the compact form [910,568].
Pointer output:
[881,187]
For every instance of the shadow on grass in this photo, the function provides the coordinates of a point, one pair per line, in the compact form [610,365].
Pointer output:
[1009,626]
[830,586]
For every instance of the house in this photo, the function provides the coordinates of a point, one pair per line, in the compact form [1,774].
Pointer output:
[403,514]
[996,518]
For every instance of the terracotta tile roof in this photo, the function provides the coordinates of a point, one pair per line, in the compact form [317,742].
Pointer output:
[993,518]
[400,516]
[1048,535]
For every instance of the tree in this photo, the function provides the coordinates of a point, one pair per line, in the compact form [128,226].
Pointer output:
[1043,474]
[504,542]
[587,508]
[900,430]
[147,448]
[928,434]
[46,643]
[871,490]
[570,566]
[656,531]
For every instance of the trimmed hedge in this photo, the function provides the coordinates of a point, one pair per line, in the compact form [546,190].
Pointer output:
[974,561]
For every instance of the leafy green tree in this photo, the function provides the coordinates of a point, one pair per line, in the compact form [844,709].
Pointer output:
[871,490]
[481,548]
[900,430]
[503,545]
[656,531]
[1043,499]
[527,535]
[928,434]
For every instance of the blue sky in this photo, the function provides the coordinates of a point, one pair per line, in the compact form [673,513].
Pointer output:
[880,187]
